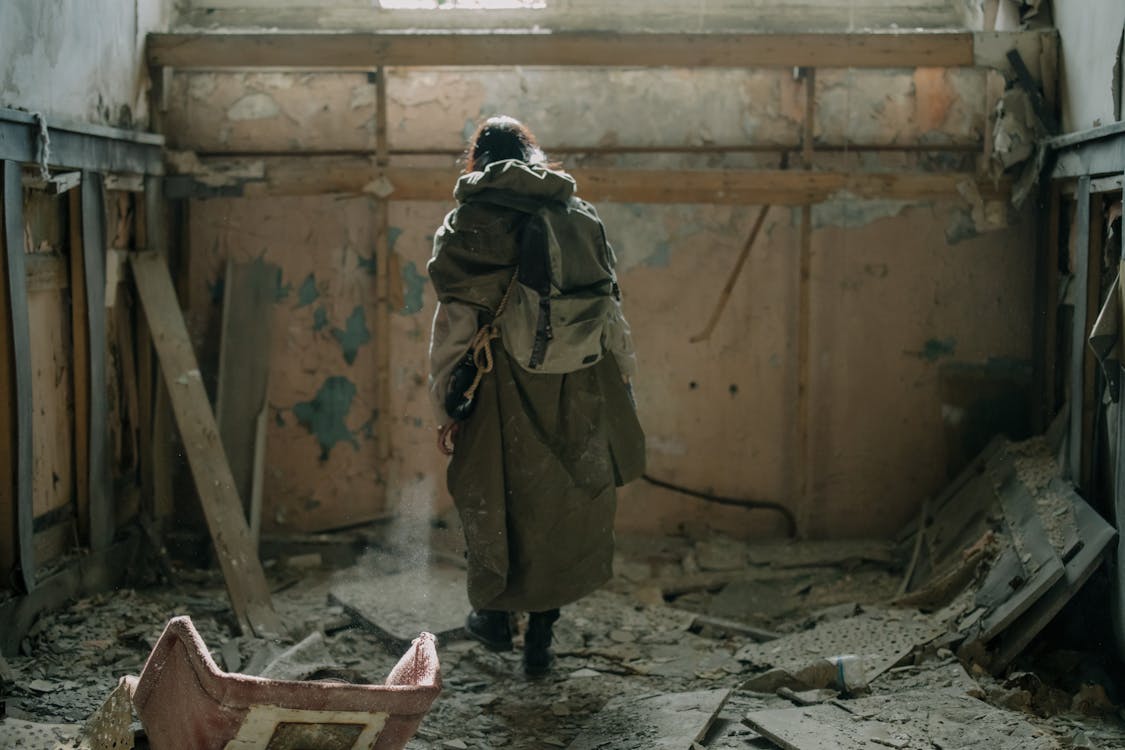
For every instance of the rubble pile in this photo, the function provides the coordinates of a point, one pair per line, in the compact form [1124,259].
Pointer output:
[700,641]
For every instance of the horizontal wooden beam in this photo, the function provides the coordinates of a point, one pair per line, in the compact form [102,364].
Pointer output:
[687,50]
[325,175]
[79,146]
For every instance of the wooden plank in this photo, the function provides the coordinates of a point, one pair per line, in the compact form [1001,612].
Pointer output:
[1050,311]
[9,530]
[673,721]
[246,582]
[1081,228]
[802,450]
[20,354]
[158,474]
[93,262]
[52,481]
[1091,397]
[81,359]
[46,272]
[324,175]
[244,364]
[348,50]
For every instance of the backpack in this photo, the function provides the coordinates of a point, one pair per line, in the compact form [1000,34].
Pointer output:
[565,291]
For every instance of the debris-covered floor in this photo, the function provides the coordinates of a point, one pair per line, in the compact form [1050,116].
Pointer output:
[632,671]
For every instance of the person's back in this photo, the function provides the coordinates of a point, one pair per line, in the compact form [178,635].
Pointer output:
[541,444]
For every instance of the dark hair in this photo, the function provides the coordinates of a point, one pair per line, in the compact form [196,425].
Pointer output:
[499,138]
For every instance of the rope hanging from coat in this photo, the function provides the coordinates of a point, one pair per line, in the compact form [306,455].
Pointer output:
[481,345]
[790,519]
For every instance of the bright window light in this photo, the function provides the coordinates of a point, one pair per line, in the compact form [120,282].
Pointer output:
[463,4]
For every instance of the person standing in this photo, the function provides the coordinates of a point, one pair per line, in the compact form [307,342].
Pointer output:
[531,362]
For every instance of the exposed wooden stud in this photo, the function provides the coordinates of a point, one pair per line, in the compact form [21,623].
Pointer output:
[245,579]
[19,357]
[46,272]
[242,393]
[1046,343]
[804,324]
[156,473]
[383,265]
[1091,400]
[351,175]
[79,328]
[9,458]
[1081,228]
[350,50]
[93,261]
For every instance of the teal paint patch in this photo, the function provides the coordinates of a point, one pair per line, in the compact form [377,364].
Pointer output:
[281,290]
[308,293]
[661,256]
[367,263]
[393,233]
[324,416]
[320,319]
[353,335]
[935,349]
[216,291]
[367,429]
[413,286]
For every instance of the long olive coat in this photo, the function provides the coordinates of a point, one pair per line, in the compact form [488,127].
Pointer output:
[536,466]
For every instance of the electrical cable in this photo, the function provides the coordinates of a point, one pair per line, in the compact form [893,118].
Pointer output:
[790,519]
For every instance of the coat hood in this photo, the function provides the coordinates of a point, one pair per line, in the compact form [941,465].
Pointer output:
[513,178]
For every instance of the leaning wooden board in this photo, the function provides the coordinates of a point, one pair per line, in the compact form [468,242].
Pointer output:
[246,582]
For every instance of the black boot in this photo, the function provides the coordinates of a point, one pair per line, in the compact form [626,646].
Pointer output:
[537,656]
[490,627]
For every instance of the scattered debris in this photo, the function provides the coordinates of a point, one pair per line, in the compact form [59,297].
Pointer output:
[660,722]
[924,718]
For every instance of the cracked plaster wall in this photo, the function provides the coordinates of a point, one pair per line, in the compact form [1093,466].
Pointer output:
[1090,46]
[900,289]
[78,60]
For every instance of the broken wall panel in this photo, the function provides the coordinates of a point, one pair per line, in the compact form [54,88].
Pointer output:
[321,470]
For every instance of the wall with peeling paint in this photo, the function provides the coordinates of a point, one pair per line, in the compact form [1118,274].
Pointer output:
[1090,36]
[78,60]
[636,15]
[901,291]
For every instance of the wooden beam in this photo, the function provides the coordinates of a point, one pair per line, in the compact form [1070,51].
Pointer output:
[804,323]
[93,270]
[157,476]
[383,266]
[80,371]
[246,582]
[879,49]
[1081,229]
[325,175]
[19,357]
